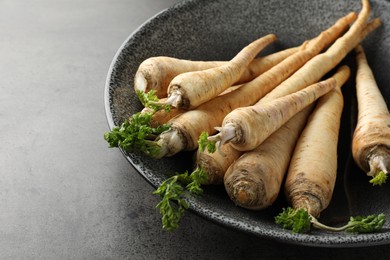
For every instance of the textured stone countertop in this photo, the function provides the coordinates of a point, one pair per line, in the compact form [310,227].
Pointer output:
[64,195]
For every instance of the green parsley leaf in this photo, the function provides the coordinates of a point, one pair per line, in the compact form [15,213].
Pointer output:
[198,178]
[147,99]
[136,134]
[379,179]
[296,220]
[204,143]
[366,224]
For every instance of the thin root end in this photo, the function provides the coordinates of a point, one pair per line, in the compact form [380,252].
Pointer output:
[226,134]
[174,100]
[214,138]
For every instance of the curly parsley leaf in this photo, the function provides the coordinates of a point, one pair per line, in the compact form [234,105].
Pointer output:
[204,143]
[365,224]
[136,134]
[173,204]
[198,177]
[379,179]
[297,220]
[300,221]
[149,99]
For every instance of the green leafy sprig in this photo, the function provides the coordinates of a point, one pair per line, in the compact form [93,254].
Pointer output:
[149,99]
[136,134]
[173,203]
[379,179]
[300,221]
[197,178]
[204,143]
[365,224]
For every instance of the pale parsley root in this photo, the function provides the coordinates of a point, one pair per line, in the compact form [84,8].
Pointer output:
[300,221]
[173,203]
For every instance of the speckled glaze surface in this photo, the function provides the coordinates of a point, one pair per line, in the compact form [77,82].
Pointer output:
[217,30]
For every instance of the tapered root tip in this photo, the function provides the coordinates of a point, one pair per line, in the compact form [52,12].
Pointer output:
[215,138]
[226,134]
[174,100]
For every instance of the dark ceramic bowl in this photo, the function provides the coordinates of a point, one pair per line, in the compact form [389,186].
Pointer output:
[216,30]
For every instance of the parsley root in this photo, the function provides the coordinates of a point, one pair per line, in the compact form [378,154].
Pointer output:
[312,172]
[216,164]
[247,127]
[187,127]
[317,67]
[190,89]
[371,139]
[309,73]
[156,73]
[253,181]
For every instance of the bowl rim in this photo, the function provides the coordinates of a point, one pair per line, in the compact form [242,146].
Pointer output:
[330,240]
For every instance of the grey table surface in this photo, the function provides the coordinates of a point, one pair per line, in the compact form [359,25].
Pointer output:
[63,193]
